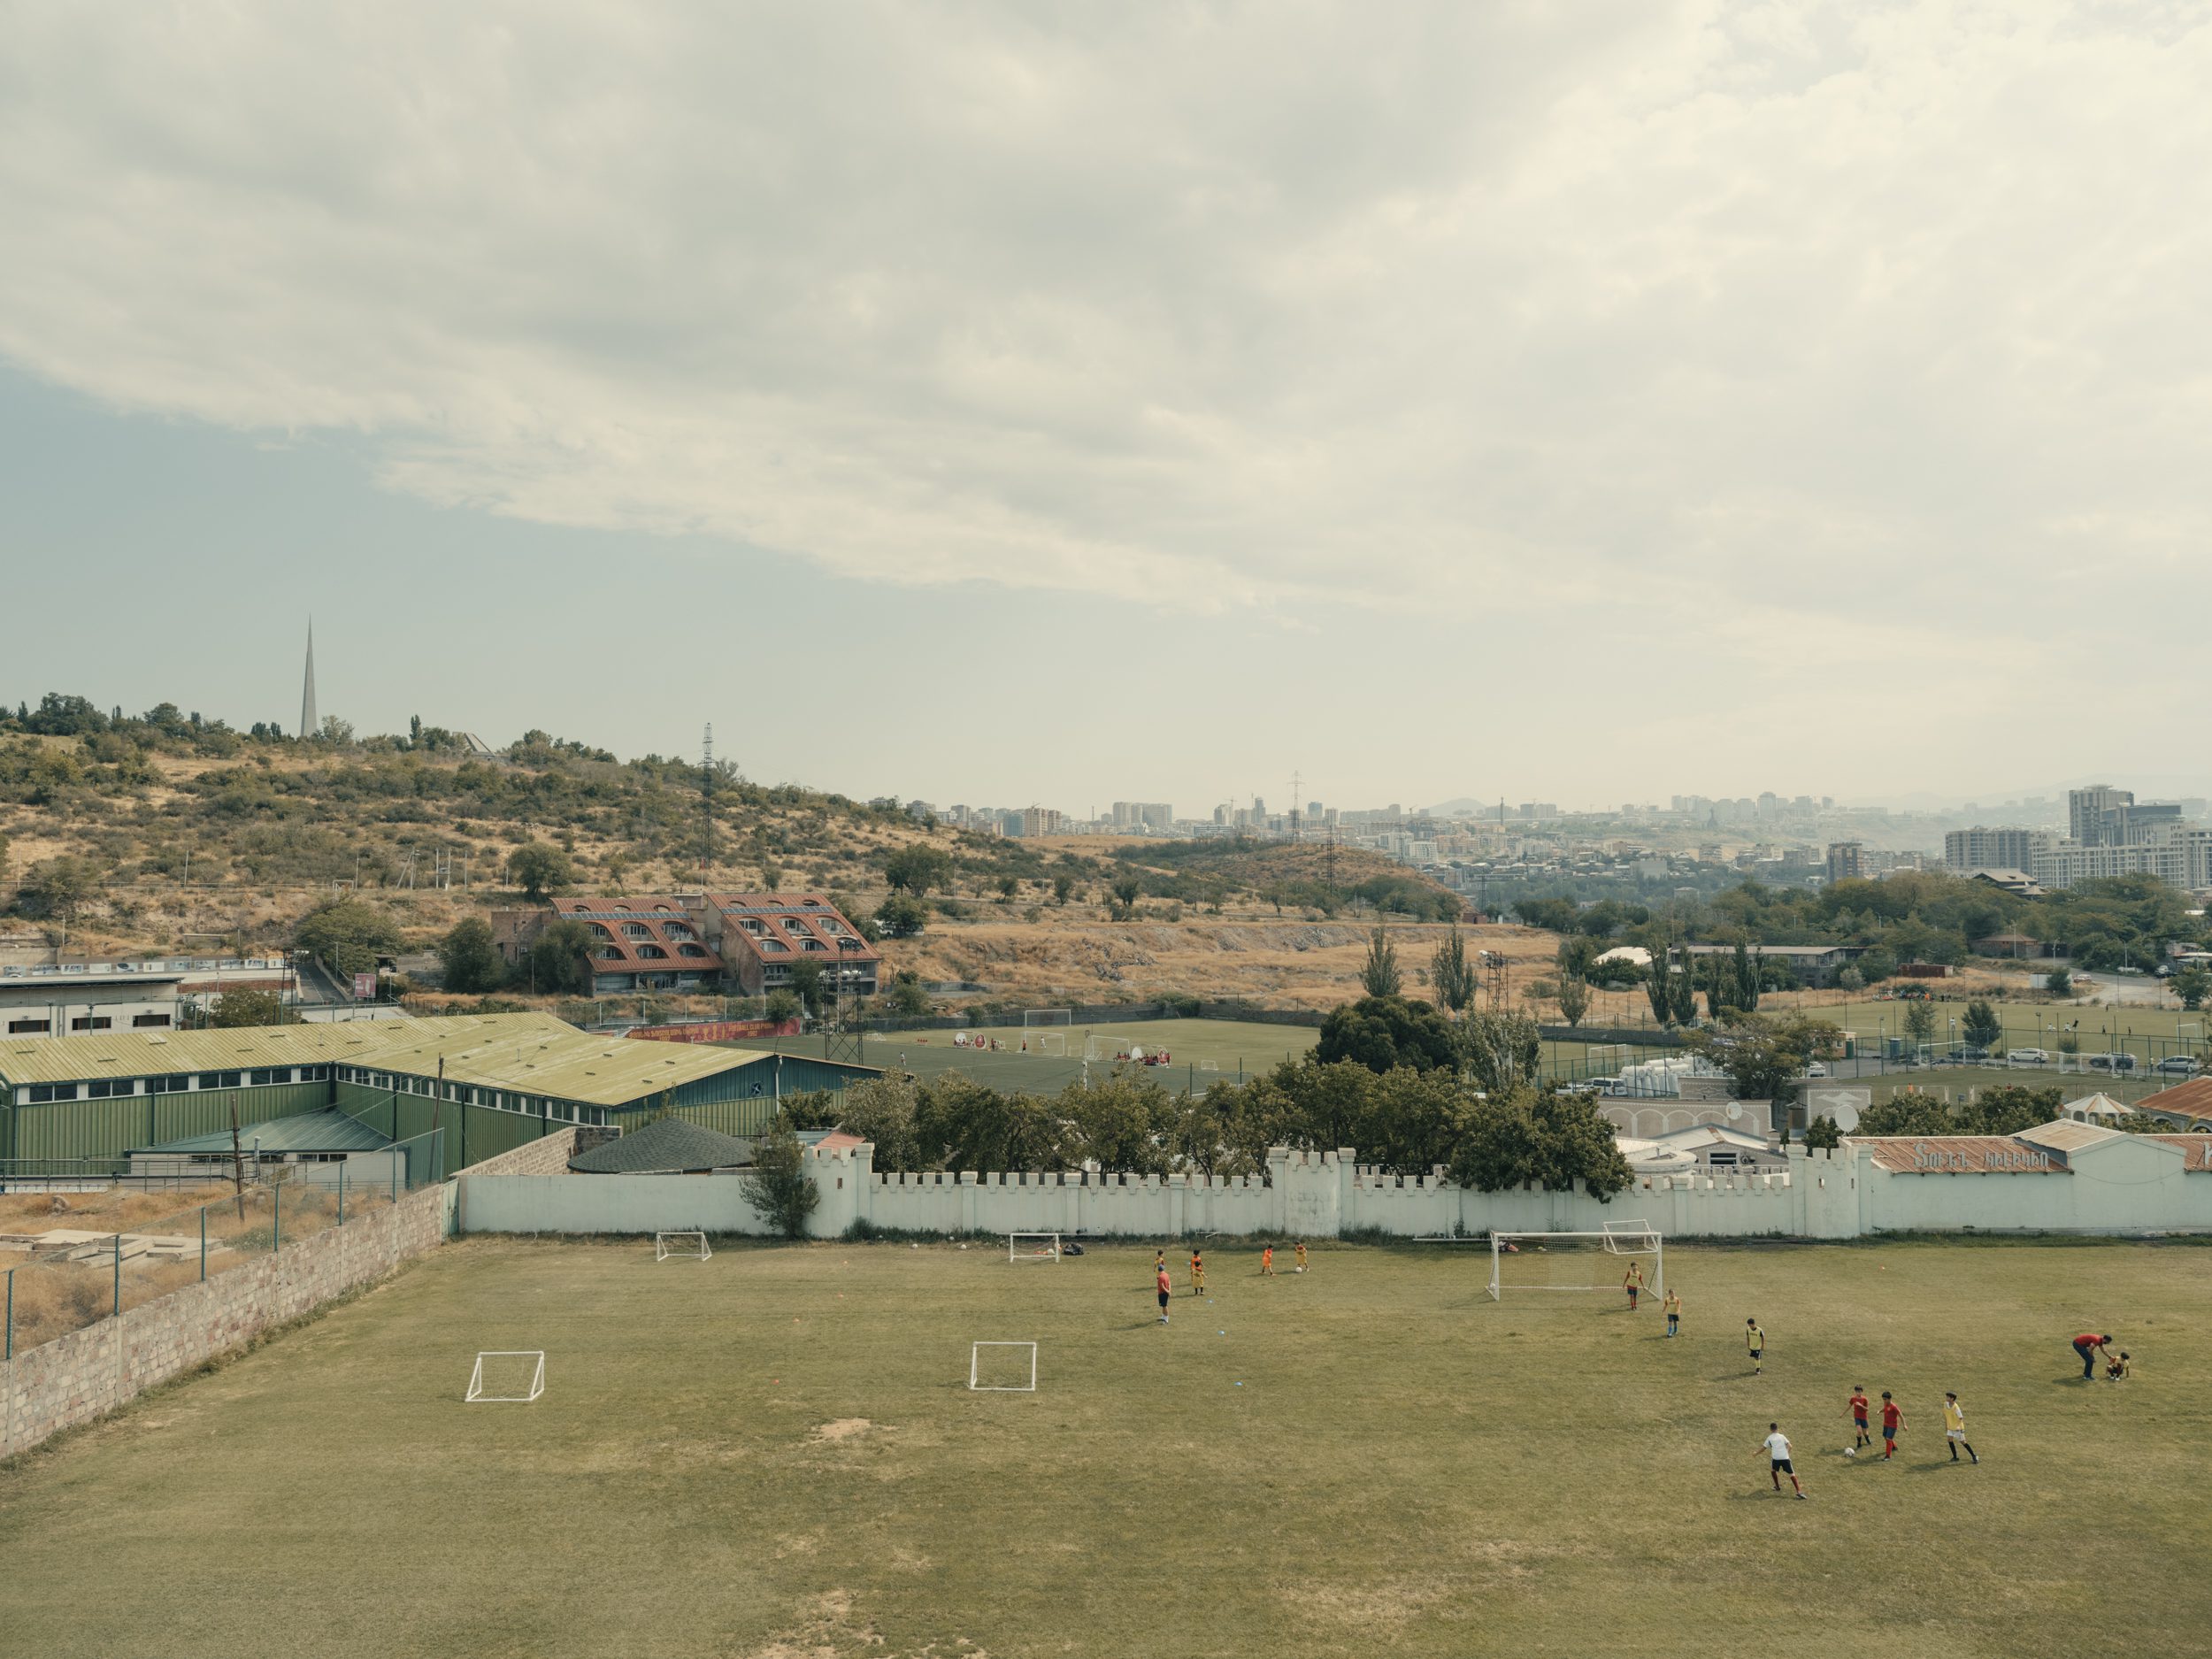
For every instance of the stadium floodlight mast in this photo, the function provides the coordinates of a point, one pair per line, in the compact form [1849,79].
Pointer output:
[507,1384]
[975,1370]
[1033,1247]
[680,1246]
[1616,1237]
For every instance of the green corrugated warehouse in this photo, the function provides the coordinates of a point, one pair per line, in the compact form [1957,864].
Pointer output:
[489,1081]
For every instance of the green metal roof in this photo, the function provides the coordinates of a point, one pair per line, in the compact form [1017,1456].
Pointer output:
[666,1147]
[152,1053]
[329,1131]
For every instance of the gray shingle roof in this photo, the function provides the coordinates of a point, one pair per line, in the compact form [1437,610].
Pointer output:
[669,1146]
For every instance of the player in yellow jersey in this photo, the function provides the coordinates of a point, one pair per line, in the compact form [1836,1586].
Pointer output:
[1955,1428]
[1197,1273]
[1755,1340]
[1300,1247]
[1673,1305]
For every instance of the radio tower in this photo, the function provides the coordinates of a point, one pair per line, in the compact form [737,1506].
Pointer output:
[1296,796]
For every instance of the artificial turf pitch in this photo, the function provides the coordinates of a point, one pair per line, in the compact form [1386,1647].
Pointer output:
[775,1453]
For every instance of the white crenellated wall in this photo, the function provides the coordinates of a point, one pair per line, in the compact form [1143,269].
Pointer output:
[1838,1195]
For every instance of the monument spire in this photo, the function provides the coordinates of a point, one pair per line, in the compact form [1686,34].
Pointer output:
[309,722]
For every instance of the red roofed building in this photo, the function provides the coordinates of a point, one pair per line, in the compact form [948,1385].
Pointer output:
[643,944]
[760,936]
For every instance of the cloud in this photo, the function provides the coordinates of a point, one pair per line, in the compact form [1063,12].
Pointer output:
[1511,311]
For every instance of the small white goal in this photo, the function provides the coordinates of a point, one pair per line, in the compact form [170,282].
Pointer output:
[1033,1247]
[506,1377]
[1006,1361]
[1054,1042]
[680,1246]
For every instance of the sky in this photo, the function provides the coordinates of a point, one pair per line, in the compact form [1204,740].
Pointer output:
[992,403]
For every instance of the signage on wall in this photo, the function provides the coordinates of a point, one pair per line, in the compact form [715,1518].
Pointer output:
[365,988]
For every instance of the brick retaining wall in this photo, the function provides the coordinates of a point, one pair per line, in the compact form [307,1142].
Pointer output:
[79,1377]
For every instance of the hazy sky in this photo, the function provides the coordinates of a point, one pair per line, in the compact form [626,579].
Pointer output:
[996,402]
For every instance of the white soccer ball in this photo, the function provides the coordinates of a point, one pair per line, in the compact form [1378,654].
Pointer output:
[1850,1451]
[1299,1270]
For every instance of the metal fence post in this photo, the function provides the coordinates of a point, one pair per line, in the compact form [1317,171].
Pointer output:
[10,1337]
[118,1275]
[203,1244]
[276,1218]
[341,1192]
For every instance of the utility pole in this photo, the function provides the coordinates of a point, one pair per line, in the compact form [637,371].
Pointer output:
[1297,794]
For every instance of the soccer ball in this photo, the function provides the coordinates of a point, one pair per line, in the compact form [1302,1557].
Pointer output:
[1850,1451]
[1298,1269]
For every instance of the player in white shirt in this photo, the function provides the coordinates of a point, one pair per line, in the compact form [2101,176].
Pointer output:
[1777,1450]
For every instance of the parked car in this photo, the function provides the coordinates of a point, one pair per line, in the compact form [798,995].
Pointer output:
[1968,1051]
[2119,1064]
[2179,1065]
[1817,1069]
[2026,1056]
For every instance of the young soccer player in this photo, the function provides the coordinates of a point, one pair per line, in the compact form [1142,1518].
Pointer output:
[1779,1463]
[2087,1346]
[1267,1263]
[1633,1284]
[1857,1411]
[1165,1288]
[2116,1370]
[1756,1340]
[1300,1247]
[1892,1420]
[1673,1305]
[1954,1427]
[1197,1273]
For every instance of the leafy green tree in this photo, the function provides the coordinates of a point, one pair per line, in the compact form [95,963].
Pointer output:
[901,916]
[558,961]
[907,1000]
[917,868]
[346,935]
[1383,1031]
[881,1110]
[1981,1025]
[1905,1113]
[2008,1109]
[1120,1123]
[2193,986]
[247,1007]
[471,959]
[1378,975]
[960,1124]
[1659,988]
[1126,890]
[1765,1057]
[1009,886]
[1683,991]
[539,869]
[1920,1021]
[1822,1132]
[807,984]
[1451,973]
[1502,1051]
[1574,1000]
[58,888]
[780,1005]
[1528,1137]
[778,1186]
[1748,978]
[1063,888]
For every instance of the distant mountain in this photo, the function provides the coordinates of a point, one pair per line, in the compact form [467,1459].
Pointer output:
[1458,804]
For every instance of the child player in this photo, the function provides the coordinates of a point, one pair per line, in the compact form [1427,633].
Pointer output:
[1672,1304]
[1300,1247]
[1197,1272]
[1858,1409]
[1756,1340]
[1777,1450]
[1892,1420]
[1633,1284]
[1267,1263]
[1165,1289]
[1954,1427]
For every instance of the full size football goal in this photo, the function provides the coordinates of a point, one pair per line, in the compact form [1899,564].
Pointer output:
[680,1246]
[1002,1368]
[1033,1247]
[1575,1260]
[1048,1041]
[509,1376]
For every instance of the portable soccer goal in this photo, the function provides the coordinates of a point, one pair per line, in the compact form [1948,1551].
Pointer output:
[1097,1049]
[1033,1247]
[680,1246]
[1048,1042]
[1575,1260]
[1002,1368]
[506,1377]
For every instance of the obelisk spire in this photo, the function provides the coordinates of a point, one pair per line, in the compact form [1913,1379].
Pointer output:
[309,722]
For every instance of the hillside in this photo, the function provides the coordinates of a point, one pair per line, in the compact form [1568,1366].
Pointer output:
[162,834]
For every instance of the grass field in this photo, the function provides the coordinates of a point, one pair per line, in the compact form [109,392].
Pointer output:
[774,1453]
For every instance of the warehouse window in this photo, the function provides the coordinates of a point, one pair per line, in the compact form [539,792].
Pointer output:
[102,1088]
[92,1022]
[40,1092]
[29,1027]
[143,1020]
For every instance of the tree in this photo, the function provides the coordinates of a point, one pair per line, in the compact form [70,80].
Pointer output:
[1126,890]
[1062,887]
[1383,1031]
[778,1186]
[539,869]
[1009,886]
[470,956]
[1765,1057]
[880,1109]
[346,935]
[1500,1051]
[2193,986]
[917,868]
[1685,991]
[806,982]
[1906,1113]
[1981,1025]
[2058,982]
[907,1000]
[1451,974]
[246,1007]
[1574,1000]
[1920,1022]
[1378,975]
[901,916]
[1822,1132]
[1523,1137]
[780,1005]
[58,888]
[1658,989]
[558,961]
[1747,976]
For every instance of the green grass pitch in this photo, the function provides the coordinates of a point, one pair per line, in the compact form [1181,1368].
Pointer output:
[775,1453]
